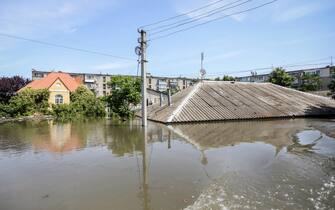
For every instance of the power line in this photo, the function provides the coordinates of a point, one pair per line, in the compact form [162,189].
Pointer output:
[196,18]
[184,14]
[265,68]
[215,19]
[64,46]
[257,69]
[220,9]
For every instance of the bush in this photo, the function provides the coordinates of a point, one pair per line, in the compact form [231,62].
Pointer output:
[83,104]
[62,111]
[28,102]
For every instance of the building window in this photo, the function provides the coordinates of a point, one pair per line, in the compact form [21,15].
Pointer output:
[104,79]
[104,93]
[104,86]
[58,99]
[149,80]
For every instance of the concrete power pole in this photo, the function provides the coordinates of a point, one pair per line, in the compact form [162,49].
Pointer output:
[144,76]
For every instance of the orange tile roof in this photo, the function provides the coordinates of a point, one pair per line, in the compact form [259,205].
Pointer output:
[71,83]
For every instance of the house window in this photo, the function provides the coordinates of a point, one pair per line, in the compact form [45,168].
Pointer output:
[58,99]
[104,79]
[104,86]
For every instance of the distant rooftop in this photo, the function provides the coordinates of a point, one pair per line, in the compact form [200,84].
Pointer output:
[44,83]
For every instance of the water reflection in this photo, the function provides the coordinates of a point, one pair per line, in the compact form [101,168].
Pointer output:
[214,135]
[57,137]
[111,165]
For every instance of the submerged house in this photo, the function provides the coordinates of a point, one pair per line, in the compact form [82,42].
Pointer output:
[59,84]
[219,101]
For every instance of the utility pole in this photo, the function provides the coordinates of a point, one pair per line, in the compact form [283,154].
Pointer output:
[143,49]
[202,70]
[331,60]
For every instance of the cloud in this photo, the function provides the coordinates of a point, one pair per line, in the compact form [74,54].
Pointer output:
[184,7]
[297,12]
[39,18]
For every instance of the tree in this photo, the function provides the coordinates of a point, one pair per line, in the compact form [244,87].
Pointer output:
[27,102]
[125,94]
[310,82]
[9,86]
[217,79]
[228,78]
[331,86]
[280,77]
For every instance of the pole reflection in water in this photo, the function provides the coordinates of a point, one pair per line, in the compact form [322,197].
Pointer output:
[145,170]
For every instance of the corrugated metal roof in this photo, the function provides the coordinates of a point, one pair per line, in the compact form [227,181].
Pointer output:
[218,100]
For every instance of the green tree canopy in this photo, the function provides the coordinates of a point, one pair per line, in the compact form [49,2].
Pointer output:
[217,79]
[310,82]
[27,102]
[228,78]
[331,86]
[280,77]
[125,94]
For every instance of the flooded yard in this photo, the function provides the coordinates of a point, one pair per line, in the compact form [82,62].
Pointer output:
[273,164]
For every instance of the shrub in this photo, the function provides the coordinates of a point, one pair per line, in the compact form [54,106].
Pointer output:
[28,102]
[83,104]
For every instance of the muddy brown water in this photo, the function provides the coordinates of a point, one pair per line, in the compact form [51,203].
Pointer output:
[275,164]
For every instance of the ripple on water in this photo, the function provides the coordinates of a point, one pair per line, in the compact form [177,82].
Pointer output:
[295,180]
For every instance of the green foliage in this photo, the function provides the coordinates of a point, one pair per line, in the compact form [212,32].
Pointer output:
[9,86]
[310,82]
[217,79]
[331,86]
[83,104]
[27,102]
[126,92]
[280,77]
[62,111]
[228,78]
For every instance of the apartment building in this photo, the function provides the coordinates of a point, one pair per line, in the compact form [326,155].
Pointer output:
[98,83]
[163,83]
[325,73]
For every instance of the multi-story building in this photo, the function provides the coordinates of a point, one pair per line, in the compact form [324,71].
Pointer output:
[164,83]
[326,74]
[98,83]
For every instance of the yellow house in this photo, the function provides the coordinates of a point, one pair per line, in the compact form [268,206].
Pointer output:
[59,84]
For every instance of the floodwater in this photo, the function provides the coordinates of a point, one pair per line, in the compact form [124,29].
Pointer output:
[98,165]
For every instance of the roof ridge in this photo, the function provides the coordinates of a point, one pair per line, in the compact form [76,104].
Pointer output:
[185,100]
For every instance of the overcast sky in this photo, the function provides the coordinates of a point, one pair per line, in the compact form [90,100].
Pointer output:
[285,32]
